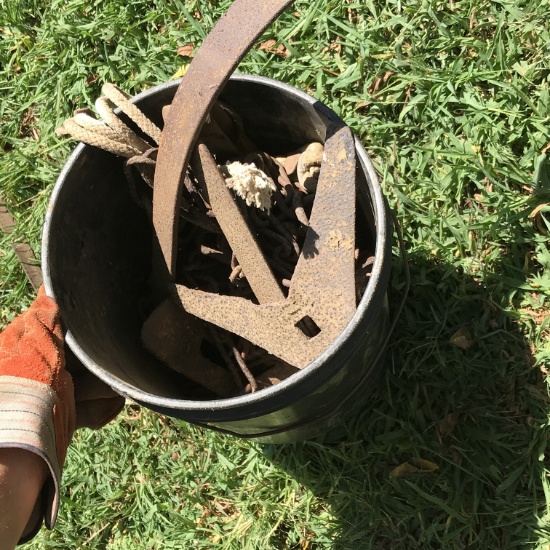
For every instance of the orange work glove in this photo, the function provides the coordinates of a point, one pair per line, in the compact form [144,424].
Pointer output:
[37,405]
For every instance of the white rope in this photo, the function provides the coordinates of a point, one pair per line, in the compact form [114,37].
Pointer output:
[111,133]
[121,100]
[95,138]
[104,107]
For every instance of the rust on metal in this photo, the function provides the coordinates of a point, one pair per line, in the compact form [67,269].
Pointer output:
[236,231]
[175,337]
[321,300]
[219,55]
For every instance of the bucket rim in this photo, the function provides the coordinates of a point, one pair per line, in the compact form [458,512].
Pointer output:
[372,295]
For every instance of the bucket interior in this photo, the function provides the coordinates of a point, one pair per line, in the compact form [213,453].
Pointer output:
[99,242]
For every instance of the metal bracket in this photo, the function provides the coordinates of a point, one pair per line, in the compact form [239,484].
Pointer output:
[322,289]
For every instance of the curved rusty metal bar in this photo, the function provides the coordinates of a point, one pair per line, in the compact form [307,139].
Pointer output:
[219,55]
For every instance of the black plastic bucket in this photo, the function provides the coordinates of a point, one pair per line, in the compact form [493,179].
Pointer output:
[97,264]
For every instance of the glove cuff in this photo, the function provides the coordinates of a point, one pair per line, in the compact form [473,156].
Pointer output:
[26,422]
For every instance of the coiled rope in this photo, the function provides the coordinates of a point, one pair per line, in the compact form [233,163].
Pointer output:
[111,133]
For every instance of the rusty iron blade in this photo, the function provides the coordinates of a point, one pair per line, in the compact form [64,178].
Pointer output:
[322,289]
[326,267]
[219,55]
[237,232]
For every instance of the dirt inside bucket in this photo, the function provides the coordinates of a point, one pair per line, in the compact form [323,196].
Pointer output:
[274,194]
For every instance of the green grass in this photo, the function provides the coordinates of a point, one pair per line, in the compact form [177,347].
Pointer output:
[451,100]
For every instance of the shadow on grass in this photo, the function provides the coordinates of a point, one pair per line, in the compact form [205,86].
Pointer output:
[478,413]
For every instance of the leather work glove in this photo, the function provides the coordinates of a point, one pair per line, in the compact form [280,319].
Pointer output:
[37,399]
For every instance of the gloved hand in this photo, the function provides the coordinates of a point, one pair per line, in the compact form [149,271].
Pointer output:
[37,405]
[96,403]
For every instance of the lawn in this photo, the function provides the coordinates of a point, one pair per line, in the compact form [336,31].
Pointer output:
[451,99]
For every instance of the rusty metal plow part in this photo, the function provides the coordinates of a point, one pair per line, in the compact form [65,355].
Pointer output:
[162,336]
[322,289]
[219,55]
[236,231]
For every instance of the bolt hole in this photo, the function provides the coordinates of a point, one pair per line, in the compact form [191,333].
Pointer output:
[308,326]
